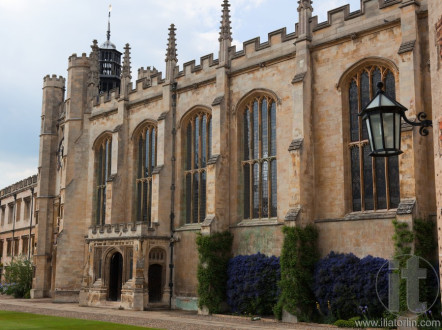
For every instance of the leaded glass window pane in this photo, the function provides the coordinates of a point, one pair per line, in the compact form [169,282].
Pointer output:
[198,140]
[354,111]
[146,163]
[356,179]
[247,191]
[381,189]
[370,190]
[259,162]
[247,137]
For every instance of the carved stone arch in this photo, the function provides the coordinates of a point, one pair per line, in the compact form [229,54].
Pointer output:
[344,80]
[107,255]
[156,273]
[256,93]
[101,138]
[188,114]
[142,126]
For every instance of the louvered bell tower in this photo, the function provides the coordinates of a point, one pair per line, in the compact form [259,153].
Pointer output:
[110,63]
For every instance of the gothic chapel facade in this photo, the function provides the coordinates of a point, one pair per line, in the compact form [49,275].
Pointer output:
[132,169]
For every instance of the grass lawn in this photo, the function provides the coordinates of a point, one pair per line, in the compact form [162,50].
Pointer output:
[16,320]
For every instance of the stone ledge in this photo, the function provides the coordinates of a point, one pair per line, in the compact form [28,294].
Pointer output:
[190,227]
[406,206]
[292,214]
[298,78]
[218,100]
[296,144]
[406,47]
[367,215]
[258,223]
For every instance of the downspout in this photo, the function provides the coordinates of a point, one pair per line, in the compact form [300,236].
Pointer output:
[30,223]
[14,210]
[172,189]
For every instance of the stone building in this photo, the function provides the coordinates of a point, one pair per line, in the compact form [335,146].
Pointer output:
[17,221]
[132,169]
[435,50]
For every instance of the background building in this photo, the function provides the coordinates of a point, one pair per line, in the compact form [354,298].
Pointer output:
[17,221]
[253,140]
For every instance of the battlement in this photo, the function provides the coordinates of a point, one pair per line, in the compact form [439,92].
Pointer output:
[337,16]
[206,62]
[146,81]
[54,81]
[254,45]
[75,60]
[119,230]
[146,73]
[113,94]
[19,186]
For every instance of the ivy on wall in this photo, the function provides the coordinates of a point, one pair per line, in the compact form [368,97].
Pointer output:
[214,253]
[298,257]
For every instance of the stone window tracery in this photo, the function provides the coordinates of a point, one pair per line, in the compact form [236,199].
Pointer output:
[147,160]
[198,138]
[103,172]
[259,158]
[375,180]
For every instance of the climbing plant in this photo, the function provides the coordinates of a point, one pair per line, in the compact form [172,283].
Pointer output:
[214,254]
[298,257]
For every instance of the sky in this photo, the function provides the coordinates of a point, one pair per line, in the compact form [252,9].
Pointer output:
[38,36]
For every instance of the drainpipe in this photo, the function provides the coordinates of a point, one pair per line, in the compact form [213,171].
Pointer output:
[172,189]
[14,210]
[30,223]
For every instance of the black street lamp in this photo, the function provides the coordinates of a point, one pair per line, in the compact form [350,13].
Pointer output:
[382,115]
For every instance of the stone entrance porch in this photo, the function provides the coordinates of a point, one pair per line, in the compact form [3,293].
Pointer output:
[125,264]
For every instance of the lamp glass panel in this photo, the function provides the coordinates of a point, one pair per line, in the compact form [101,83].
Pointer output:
[385,102]
[375,122]
[374,103]
[397,123]
[388,122]
[370,137]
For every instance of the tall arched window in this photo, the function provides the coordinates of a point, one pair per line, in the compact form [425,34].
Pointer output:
[259,158]
[375,181]
[147,160]
[198,140]
[103,172]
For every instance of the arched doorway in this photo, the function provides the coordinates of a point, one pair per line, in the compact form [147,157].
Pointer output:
[115,276]
[155,283]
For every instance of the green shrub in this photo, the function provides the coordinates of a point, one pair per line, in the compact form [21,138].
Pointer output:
[214,253]
[18,278]
[298,257]
[346,323]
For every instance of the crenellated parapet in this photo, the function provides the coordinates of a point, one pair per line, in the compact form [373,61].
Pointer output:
[254,45]
[155,79]
[119,231]
[75,61]
[54,81]
[146,73]
[206,63]
[19,186]
[337,16]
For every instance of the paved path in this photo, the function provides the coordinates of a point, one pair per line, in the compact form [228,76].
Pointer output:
[180,320]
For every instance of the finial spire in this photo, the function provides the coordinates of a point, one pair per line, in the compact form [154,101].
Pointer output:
[108,23]
[225,33]
[94,73]
[305,10]
[171,54]
[126,62]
